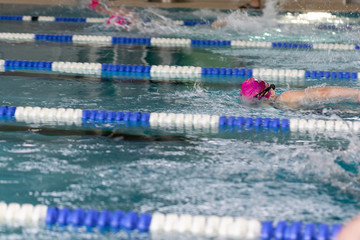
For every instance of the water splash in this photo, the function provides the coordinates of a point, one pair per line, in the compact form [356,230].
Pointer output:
[241,20]
[205,14]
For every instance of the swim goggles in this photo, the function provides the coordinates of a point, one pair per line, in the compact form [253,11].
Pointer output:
[264,92]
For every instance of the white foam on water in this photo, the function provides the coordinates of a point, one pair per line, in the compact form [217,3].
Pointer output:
[241,20]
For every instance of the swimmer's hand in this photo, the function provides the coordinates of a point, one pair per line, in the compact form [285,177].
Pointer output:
[218,24]
[350,231]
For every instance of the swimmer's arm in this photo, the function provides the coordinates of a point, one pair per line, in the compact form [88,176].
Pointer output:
[101,9]
[218,24]
[351,231]
[106,11]
[309,94]
[127,13]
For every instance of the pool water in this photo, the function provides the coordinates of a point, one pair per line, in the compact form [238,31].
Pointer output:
[266,175]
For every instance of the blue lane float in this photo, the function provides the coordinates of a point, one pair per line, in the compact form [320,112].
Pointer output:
[196,22]
[218,43]
[36,65]
[329,74]
[69,19]
[11,18]
[292,45]
[103,221]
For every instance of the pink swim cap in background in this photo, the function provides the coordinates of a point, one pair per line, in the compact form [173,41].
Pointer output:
[253,86]
[93,4]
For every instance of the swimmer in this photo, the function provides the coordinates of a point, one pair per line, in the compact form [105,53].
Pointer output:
[351,231]
[118,16]
[252,5]
[254,88]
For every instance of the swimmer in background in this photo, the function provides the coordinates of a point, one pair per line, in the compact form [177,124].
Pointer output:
[254,88]
[118,16]
[252,5]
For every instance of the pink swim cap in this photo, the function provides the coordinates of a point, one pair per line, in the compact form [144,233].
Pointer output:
[93,4]
[253,86]
[117,20]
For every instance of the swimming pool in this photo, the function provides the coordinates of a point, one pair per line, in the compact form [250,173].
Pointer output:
[265,175]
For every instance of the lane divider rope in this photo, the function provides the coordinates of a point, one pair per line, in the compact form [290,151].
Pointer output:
[175,71]
[27,215]
[154,119]
[87,20]
[51,19]
[181,42]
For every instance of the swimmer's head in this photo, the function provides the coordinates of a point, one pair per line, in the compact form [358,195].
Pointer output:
[256,88]
[94,4]
[97,6]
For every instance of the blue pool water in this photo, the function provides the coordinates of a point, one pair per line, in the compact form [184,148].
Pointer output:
[263,175]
